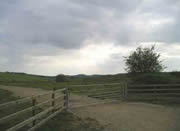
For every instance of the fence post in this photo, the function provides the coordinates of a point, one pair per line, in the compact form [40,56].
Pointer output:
[66,99]
[33,110]
[155,94]
[125,91]
[53,99]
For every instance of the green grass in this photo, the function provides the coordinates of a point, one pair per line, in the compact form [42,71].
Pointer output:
[45,82]
[25,80]
[6,96]
[66,121]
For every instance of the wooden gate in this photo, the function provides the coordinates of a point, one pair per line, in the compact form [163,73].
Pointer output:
[86,95]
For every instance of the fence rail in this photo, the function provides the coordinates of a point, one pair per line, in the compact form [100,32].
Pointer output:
[94,94]
[99,94]
[56,106]
[154,91]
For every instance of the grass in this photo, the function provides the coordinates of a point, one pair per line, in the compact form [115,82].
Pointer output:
[25,80]
[66,121]
[45,82]
[6,96]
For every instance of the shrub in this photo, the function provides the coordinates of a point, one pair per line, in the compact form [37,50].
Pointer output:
[61,78]
[154,78]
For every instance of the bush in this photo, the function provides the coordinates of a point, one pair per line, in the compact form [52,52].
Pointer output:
[61,78]
[154,78]
[175,73]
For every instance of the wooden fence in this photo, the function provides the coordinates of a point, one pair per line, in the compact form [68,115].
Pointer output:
[49,108]
[75,97]
[94,94]
[154,92]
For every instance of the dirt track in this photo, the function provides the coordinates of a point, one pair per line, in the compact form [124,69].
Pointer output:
[22,91]
[123,116]
[133,116]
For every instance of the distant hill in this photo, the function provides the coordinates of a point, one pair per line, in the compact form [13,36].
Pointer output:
[48,82]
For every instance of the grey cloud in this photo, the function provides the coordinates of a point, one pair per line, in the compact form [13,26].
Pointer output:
[48,27]
[68,24]
[169,33]
[65,24]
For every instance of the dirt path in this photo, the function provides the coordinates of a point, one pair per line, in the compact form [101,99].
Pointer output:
[133,116]
[22,91]
[120,116]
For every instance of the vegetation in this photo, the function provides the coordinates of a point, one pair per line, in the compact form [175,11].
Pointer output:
[61,78]
[155,78]
[68,122]
[143,60]
[6,96]
[45,82]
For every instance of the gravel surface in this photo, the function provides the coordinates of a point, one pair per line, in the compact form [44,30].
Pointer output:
[133,116]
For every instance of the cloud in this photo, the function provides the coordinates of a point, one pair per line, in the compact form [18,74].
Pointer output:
[52,34]
[66,24]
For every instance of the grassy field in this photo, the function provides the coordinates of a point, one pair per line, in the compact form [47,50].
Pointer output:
[45,82]
[25,80]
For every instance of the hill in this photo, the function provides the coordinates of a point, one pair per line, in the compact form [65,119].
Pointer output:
[48,82]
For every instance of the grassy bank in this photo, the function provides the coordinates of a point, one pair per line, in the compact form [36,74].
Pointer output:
[6,96]
[68,122]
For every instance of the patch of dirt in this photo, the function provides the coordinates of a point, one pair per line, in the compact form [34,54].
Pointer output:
[22,91]
[133,116]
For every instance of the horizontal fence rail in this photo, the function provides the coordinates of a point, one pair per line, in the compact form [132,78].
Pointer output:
[48,106]
[155,85]
[22,100]
[94,94]
[154,91]
[45,120]
[96,85]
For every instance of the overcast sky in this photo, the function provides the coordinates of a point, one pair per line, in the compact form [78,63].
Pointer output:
[50,37]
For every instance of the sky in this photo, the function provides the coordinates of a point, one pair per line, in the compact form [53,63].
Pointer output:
[50,37]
